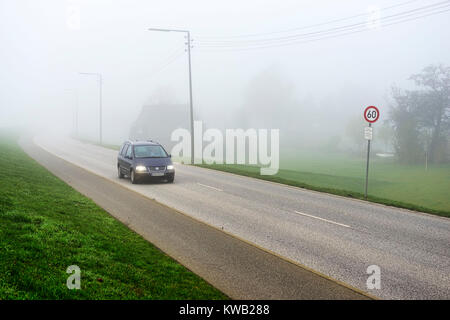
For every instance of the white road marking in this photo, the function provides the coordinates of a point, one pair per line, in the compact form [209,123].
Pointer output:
[308,215]
[204,185]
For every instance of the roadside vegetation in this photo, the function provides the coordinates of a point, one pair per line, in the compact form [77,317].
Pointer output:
[46,226]
[405,186]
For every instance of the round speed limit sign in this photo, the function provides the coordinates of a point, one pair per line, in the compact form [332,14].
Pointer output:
[371,114]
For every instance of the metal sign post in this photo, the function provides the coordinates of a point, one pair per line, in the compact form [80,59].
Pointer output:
[371,115]
[367,136]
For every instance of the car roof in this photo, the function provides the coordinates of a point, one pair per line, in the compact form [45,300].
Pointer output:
[143,142]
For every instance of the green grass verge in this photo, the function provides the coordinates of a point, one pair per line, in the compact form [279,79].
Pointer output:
[46,226]
[408,184]
[324,183]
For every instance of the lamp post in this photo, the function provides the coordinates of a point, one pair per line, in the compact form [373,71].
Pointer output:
[100,80]
[190,83]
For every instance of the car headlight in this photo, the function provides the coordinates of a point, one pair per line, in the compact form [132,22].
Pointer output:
[141,169]
[170,167]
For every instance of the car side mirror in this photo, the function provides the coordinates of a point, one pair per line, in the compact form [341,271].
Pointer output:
[170,156]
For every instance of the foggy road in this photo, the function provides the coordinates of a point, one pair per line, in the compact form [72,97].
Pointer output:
[240,270]
[335,236]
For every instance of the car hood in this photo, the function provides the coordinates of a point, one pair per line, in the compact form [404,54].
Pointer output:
[153,161]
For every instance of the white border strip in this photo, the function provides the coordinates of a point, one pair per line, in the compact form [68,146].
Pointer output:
[307,215]
[204,185]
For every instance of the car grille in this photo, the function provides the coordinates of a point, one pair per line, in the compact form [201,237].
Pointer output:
[157,168]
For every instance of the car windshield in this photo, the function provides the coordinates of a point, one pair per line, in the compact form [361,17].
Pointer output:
[149,151]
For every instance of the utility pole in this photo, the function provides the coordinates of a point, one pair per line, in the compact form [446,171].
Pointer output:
[100,82]
[190,96]
[191,106]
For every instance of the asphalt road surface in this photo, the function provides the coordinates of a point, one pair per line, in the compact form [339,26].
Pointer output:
[335,236]
[239,269]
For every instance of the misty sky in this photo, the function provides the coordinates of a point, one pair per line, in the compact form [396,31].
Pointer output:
[40,58]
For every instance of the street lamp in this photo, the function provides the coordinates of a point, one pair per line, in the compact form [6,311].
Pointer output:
[100,80]
[190,83]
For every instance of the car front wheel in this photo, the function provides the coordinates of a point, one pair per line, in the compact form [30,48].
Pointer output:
[133,177]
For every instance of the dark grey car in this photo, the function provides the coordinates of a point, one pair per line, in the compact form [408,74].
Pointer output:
[144,160]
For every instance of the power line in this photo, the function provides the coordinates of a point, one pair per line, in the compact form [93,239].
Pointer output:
[171,55]
[306,27]
[170,58]
[168,63]
[300,40]
[246,43]
[317,39]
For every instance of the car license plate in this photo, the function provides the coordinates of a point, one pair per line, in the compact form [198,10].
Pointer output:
[157,174]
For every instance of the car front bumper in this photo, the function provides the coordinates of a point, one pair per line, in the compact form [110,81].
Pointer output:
[156,174]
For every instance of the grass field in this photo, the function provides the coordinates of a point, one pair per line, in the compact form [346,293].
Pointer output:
[46,226]
[410,187]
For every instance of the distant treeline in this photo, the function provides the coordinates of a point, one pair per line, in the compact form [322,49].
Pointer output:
[420,118]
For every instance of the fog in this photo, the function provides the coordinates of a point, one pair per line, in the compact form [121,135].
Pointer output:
[311,90]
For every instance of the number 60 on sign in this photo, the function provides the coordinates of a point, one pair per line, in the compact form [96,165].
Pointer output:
[371,114]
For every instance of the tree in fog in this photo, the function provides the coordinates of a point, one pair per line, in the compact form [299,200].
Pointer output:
[433,109]
[406,127]
[384,134]
[353,131]
[269,101]
[420,118]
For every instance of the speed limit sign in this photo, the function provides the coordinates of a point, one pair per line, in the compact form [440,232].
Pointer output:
[371,114]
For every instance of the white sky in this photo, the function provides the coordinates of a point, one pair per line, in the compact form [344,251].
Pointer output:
[40,56]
